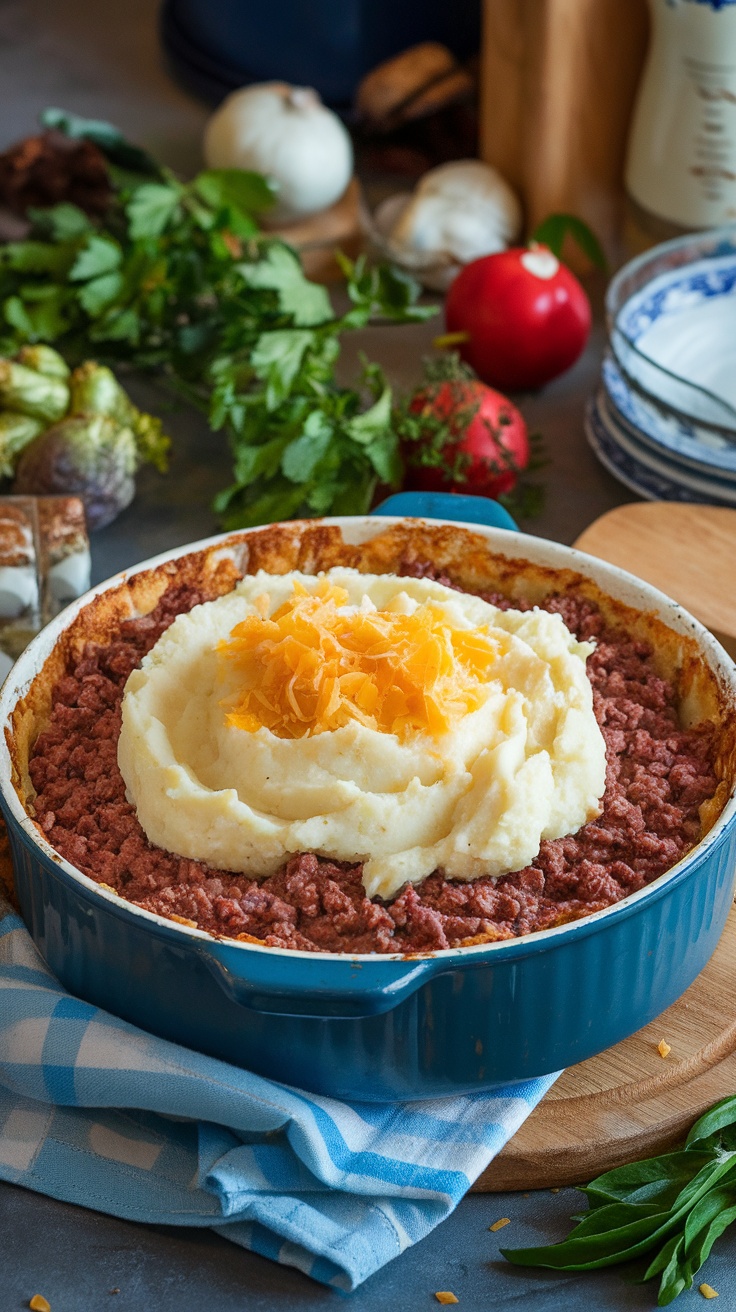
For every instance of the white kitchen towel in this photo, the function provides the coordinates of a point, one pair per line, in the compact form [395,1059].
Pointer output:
[97,1112]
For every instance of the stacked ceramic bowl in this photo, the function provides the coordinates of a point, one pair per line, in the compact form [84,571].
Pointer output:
[664,418]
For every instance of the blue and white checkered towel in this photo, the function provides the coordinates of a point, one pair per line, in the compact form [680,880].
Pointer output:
[97,1112]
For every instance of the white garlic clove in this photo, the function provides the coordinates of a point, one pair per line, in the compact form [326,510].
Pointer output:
[431,225]
[462,210]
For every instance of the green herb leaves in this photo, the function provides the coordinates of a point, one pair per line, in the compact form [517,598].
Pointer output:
[300,441]
[98,255]
[98,266]
[151,209]
[179,278]
[302,456]
[678,1205]
[277,358]
[277,268]
[235,189]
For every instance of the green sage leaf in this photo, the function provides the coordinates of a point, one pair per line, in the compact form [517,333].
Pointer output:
[707,1222]
[719,1119]
[675,1276]
[662,1259]
[655,1179]
[619,1234]
[553,230]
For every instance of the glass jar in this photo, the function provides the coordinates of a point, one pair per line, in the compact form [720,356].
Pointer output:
[681,164]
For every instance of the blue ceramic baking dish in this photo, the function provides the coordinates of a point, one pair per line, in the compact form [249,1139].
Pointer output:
[376,1027]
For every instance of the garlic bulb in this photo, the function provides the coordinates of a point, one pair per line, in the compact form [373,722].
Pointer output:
[287,134]
[457,213]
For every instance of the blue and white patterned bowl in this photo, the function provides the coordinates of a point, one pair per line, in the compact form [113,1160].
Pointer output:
[672,325]
[697,448]
[638,469]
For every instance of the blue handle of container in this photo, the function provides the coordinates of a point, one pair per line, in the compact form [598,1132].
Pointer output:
[358,998]
[455,506]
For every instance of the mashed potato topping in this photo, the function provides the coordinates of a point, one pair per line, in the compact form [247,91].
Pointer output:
[370,718]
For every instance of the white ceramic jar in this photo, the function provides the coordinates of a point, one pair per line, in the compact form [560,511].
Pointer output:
[681,164]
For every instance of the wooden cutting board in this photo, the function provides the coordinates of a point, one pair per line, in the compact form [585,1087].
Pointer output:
[689,552]
[631,1102]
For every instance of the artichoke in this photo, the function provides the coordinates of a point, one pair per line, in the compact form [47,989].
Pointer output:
[96,440]
[16,431]
[44,359]
[90,456]
[95,390]
[38,395]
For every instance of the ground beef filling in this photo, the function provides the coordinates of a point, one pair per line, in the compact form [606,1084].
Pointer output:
[657,777]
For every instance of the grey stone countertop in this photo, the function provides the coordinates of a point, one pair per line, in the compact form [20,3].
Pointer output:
[102,60]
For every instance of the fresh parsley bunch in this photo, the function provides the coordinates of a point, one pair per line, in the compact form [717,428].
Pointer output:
[179,278]
[674,1207]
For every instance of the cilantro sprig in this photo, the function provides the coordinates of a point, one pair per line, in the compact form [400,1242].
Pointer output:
[670,1209]
[179,278]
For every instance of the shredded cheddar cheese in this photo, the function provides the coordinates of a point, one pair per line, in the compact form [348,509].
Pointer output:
[317,664]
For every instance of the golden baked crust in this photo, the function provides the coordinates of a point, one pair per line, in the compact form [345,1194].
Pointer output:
[7,883]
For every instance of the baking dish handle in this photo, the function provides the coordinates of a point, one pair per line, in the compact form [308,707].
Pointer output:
[352,997]
[455,506]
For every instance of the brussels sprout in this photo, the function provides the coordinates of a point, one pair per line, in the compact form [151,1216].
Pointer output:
[44,359]
[32,393]
[96,391]
[90,456]
[16,431]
